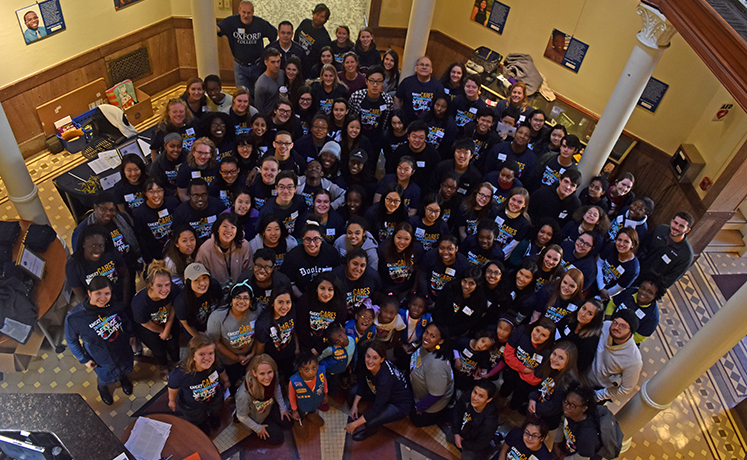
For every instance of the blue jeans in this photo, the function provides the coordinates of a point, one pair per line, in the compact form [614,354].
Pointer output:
[246,75]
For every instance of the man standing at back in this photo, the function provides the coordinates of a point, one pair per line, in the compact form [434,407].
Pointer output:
[245,33]
[268,84]
[285,44]
[416,93]
[312,36]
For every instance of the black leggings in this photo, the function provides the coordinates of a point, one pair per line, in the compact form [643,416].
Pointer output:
[163,350]
[275,426]
[201,414]
[512,383]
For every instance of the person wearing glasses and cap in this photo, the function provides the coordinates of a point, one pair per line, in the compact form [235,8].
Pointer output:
[232,327]
[200,296]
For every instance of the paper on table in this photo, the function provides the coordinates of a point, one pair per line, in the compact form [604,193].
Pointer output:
[147,438]
[99,165]
[110,181]
[111,157]
[121,456]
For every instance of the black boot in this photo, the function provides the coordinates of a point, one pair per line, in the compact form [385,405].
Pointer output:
[106,396]
[126,385]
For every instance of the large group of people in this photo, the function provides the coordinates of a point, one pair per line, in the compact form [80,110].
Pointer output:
[270,235]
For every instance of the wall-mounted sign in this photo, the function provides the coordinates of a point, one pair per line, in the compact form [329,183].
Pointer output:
[652,94]
[491,14]
[40,20]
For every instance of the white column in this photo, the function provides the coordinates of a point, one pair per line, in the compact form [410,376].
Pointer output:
[719,335]
[653,39]
[418,31]
[22,191]
[206,38]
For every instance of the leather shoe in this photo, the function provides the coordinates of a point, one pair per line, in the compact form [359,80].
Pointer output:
[364,434]
[126,385]
[106,396]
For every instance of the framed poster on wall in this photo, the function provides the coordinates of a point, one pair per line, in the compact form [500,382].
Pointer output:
[122,3]
[40,20]
[491,14]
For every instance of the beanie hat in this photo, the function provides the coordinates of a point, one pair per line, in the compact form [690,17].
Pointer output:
[629,317]
[331,147]
[172,137]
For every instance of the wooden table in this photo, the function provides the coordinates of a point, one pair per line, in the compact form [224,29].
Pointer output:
[184,439]
[47,290]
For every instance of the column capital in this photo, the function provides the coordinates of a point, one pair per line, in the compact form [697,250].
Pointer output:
[656,31]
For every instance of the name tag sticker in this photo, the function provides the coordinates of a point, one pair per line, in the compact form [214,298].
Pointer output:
[462,191]
[557,335]
[563,214]
[196,174]
[214,376]
[473,110]
[421,164]
[240,30]
[129,197]
[537,358]
[567,331]
[211,219]
[572,307]
[620,269]
[666,259]
[467,353]
[268,292]
[191,131]
[450,271]
[468,311]
[499,220]
[294,215]
[639,313]
[331,231]
[502,156]
[163,213]
[420,232]
[274,193]
[382,107]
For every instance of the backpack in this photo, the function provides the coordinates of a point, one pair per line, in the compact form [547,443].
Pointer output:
[610,433]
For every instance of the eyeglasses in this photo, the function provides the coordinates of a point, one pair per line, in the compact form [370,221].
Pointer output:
[375,82]
[493,272]
[304,99]
[206,154]
[243,298]
[285,187]
[482,195]
[284,144]
[316,239]
[263,268]
[531,435]
[284,111]
[433,211]
[584,243]
[570,404]
[230,171]
[392,200]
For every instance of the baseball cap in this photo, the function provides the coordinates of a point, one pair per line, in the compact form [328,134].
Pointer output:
[194,271]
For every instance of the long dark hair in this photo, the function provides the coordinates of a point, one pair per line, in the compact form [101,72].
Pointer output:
[192,302]
[444,351]
[470,201]
[569,373]
[446,76]
[399,214]
[173,253]
[134,159]
[395,69]
[594,328]
[338,299]
[232,219]
[392,254]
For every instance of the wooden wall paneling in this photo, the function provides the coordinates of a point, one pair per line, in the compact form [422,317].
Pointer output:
[374,15]
[443,50]
[185,45]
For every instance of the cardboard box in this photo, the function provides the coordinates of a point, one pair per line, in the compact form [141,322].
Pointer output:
[73,104]
[141,111]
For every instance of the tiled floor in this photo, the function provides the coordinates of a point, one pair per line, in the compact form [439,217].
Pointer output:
[698,425]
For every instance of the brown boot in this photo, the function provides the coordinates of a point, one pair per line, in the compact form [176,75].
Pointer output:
[300,430]
[315,418]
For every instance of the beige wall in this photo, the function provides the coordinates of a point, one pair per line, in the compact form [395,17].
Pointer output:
[84,19]
[718,141]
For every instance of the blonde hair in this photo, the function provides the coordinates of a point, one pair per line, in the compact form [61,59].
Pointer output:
[156,268]
[330,68]
[165,123]
[256,390]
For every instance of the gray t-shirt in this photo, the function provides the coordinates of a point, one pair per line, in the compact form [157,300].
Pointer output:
[237,335]
[431,375]
[267,91]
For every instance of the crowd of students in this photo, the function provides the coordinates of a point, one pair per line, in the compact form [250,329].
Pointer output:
[266,238]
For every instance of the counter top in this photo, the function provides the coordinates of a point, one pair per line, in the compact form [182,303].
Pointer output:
[68,416]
